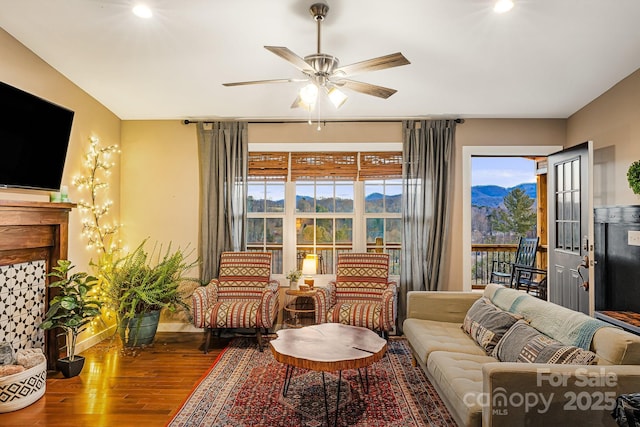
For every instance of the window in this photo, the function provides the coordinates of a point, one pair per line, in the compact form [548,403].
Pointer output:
[324,221]
[324,203]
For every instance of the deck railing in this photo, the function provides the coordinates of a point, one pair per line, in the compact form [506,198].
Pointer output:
[483,255]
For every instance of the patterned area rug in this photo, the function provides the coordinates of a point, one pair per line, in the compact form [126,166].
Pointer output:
[244,388]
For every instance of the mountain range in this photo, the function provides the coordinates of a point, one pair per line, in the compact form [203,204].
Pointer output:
[493,195]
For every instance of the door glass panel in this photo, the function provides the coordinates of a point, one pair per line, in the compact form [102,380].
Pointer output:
[559,178]
[567,176]
[559,235]
[567,206]
[567,236]
[576,174]
[576,206]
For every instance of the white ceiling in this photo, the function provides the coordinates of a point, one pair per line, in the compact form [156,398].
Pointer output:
[545,58]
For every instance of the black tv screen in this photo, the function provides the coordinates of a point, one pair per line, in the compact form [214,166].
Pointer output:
[34,136]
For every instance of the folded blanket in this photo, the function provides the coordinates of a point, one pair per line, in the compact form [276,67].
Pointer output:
[560,323]
[565,325]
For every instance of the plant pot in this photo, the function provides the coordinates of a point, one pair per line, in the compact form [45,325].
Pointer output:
[70,368]
[139,331]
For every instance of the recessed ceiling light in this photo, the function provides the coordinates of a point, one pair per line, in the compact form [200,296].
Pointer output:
[142,11]
[503,6]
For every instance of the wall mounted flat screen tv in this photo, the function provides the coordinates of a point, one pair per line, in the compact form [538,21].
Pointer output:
[34,137]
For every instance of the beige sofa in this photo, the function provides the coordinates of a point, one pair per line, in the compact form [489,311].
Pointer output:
[480,390]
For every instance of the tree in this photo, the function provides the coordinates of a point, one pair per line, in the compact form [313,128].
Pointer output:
[519,217]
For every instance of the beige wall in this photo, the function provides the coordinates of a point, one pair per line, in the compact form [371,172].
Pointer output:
[160,183]
[21,68]
[612,122]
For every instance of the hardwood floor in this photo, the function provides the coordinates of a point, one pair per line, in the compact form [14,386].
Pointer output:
[123,388]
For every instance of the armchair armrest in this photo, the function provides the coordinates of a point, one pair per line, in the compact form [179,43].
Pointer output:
[269,304]
[388,307]
[202,298]
[538,394]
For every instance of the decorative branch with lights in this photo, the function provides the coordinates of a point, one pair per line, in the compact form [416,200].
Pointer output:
[100,235]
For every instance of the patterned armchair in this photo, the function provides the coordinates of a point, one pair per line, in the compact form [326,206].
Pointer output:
[362,294]
[243,296]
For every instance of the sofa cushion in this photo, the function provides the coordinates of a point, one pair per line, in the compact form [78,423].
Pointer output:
[427,336]
[458,380]
[523,343]
[486,323]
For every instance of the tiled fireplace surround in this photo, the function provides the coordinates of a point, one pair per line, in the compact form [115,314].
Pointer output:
[22,304]
[33,237]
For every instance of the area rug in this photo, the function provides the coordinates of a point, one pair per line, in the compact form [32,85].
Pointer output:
[244,388]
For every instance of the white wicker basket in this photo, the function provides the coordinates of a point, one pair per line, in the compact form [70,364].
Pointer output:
[22,389]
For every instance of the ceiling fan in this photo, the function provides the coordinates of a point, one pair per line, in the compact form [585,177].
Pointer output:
[323,71]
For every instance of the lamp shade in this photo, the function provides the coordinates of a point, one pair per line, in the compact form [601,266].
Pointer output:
[309,264]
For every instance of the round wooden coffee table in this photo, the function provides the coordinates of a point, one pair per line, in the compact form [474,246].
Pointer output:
[327,347]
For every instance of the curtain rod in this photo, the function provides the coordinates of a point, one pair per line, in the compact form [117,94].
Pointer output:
[188,122]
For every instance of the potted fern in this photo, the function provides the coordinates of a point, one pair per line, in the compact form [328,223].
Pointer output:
[139,285]
[72,309]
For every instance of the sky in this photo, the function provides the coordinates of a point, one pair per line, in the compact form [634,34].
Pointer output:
[503,171]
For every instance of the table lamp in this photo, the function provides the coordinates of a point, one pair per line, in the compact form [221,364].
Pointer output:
[309,264]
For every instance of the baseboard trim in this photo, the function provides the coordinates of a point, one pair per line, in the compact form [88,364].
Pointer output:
[95,339]
[177,327]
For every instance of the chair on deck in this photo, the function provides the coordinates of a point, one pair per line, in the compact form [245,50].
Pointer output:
[362,294]
[502,272]
[532,280]
[243,296]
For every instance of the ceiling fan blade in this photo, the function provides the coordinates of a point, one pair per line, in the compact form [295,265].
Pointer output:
[294,59]
[367,88]
[258,82]
[373,64]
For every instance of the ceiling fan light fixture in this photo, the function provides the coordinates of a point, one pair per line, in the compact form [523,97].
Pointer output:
[503,6]
[337,97]
[309,94]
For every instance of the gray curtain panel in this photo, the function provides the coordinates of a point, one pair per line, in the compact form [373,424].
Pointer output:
[222,151]
[427,184]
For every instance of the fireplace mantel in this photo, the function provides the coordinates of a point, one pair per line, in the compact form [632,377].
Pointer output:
[32,231]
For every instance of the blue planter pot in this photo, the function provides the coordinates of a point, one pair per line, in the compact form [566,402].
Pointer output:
[139,331]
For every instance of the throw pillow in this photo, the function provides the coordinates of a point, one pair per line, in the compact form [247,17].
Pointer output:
[486,324]
[523,343]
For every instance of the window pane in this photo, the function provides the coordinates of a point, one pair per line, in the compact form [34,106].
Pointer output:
[576,236]
[275,197]
[274,230]
[304,231]
[567,206]
[344,230]
[559,206]
[276,260]
[324,198]
[344,198]
[375,229]
[305,198]
[324,231]
[255,231]
[393,198]
[255,197]
[373,197]
[393,232]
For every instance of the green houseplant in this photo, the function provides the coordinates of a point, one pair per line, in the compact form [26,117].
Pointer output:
[72,309]
[633,176]
[139,285]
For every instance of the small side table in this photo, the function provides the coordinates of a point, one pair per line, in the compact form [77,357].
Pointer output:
[299,308]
